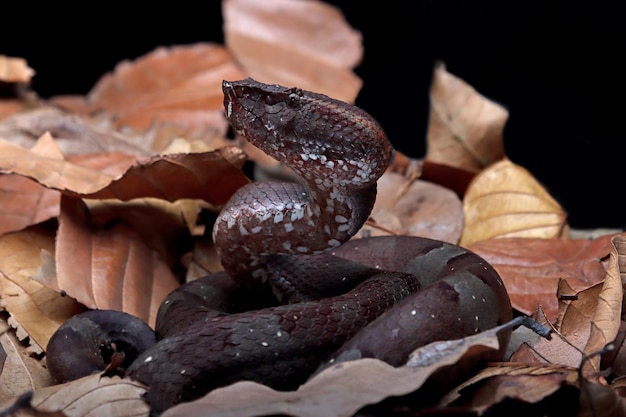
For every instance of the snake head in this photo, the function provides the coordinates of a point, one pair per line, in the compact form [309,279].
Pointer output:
[310,132]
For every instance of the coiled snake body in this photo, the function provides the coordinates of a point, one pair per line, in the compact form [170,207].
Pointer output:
[273,233]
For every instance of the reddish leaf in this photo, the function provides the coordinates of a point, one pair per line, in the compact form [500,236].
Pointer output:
[532,268]
[109,267]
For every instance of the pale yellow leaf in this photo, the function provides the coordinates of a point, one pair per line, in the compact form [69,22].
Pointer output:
[505,200]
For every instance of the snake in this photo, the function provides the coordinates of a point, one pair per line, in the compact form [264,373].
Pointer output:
[337,297]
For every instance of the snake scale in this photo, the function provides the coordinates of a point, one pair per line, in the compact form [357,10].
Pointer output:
[376,297]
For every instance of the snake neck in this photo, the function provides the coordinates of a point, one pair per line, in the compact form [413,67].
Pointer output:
[339,152]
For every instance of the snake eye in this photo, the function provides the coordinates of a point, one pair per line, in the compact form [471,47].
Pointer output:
[294,99]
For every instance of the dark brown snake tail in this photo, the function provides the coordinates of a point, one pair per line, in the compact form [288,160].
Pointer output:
[403,292]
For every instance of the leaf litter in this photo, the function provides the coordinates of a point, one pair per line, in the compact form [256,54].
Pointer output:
[135,152]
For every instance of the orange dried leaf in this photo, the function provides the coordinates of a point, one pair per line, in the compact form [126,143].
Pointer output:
[212,176]
[465,128]
[505,200]
[17,192]
[306,44]
[179,84]
[35,309]
[15,70]
[109,267]
[531,268]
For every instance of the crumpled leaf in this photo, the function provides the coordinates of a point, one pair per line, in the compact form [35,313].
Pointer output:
[212,176]
[73,133]
[368,381]
[504,381]
[465,128]
[505,200]
[588,321]
[94,395]
[17,192]
[180,84]
[36,310]
[307,44]
[19,371]
[110,266]
[531,268]
[416,208]
[15,70]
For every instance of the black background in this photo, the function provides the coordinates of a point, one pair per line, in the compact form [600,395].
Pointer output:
[556,65]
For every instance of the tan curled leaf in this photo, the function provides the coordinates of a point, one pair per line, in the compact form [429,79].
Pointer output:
[368,381]
[531,268]
[212,176]
[111,266]
[36,309]
[94,395]
[416,208]
[15,70]
[505,200]
[20,372]
[180,84]
[465,128]
[18,192]
[607,314]
[306,44]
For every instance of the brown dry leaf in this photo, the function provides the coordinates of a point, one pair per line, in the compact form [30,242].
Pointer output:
[530,383]
[307,44]
[587,323]
[531,268]
[505,200]
[20,372]
[17,192]
[36,310]
[465,128]
[416,208]
[178,84]
[109,267]
[212,176]
[368,381]
[94,395]
[503,381]
[73,133]
[598,400]
[15,70]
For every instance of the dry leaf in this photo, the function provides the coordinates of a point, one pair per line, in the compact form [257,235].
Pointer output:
[73,133]
[415,208]
[175,85]
[368,381]
[465,128]
[15,70]
[495,383]
[505,200]
[109,267]
[17,192]
[532,268]
[586,323]
[36,309]
[307,44]
[212,176]
[94,395]
[19,371]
